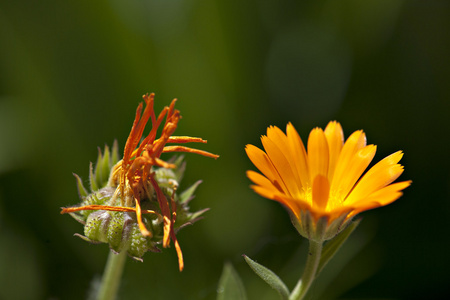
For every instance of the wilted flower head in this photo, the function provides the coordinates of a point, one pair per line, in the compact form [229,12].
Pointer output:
[131,210]
[323,187]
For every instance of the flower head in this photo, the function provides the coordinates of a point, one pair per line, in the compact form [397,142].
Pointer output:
[140,179]
[323,185]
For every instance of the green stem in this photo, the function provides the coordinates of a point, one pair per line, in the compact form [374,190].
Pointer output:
[311,267]
[112,275]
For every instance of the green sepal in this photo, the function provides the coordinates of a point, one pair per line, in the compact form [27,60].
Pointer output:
[185,219]
[332,246]
[269,277]
[318,230]
[230,285]
[98,169]
[139,244]
[114,154]
[177,160]
[336,226]
[181,167]
[165,178]
[92,180]
[197,215]
[97,225]
[187,194]
[78,217]
[84,238]
[105,167]
[119,231]
[102,167]
[100,197]
[82,192]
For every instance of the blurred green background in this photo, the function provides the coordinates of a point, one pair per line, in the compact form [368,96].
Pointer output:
[73,72]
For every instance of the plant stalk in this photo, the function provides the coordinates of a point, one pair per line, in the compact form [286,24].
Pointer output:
[310,272]
[112,276]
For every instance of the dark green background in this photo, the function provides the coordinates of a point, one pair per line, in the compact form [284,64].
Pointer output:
[73,72]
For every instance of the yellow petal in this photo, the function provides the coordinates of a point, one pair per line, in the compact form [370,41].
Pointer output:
[283,143]
[266,193]
[294,205]
[354,143]
[261,161]
[335,139]
[381,197]
[273,144]
[392,159]
[263,182]
[334,214]
[298,156]
[318,153]
[323,181]
[379,176]
[357,166]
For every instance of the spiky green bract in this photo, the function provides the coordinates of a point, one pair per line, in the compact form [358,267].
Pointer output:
[120,229]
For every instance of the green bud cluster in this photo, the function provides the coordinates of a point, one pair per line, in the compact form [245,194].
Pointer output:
[120,229]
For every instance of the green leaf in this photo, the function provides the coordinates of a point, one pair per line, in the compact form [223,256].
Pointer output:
[330,248]
[230,285]
[269,277]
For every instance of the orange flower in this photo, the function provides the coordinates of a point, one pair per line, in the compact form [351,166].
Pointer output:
[325,181]
[133,177]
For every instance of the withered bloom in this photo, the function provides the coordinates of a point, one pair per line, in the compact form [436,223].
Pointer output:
[139,200]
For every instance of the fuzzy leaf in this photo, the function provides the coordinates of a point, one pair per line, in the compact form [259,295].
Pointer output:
[230,285]
[269,277]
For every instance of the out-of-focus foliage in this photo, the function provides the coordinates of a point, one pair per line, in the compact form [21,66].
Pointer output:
[72,72]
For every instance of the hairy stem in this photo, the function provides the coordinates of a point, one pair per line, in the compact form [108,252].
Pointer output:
[112,275]
[311,268]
